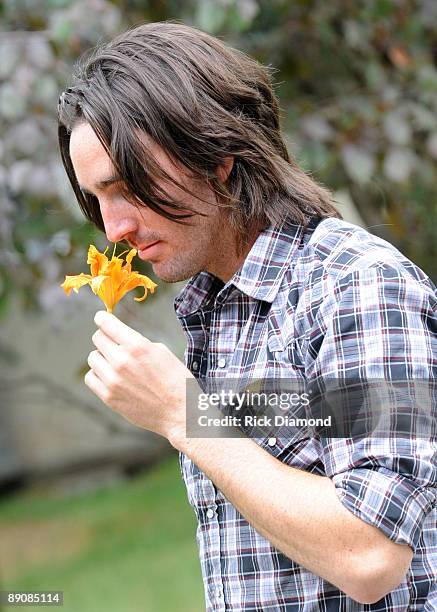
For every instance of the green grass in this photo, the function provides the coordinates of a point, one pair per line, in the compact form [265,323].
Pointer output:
[126,548]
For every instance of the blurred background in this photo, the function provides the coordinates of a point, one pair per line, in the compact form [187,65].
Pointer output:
[88,503]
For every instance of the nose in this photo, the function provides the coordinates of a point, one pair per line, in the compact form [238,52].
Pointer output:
[118,222]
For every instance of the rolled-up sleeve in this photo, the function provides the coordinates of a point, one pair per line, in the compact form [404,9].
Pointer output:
[392,489]
[380,323]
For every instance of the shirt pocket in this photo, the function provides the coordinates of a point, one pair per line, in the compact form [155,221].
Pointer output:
[285,348]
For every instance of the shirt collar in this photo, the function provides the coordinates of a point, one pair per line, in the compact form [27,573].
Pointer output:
[197,293]
[260,275]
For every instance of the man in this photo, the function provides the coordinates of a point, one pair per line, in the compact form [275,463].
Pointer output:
[172,144]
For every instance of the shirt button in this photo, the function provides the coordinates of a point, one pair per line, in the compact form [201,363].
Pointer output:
[195,365]
[210,513]
[271,441]
[221,362]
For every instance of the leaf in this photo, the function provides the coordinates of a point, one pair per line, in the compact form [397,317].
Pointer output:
[313,156]
[61,28]
[397,128]
[210,15]
[427,78]
[6,289]
[317,127]
[247,10]
[19,172]
[398,164]
[354,34]
[10,51]
[382,8]
[39,53]
[46,91]
[422,117]
[431,145]
[25,138]
[358,163]
[12,104]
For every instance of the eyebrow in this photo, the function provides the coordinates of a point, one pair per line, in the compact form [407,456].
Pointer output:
[103,184]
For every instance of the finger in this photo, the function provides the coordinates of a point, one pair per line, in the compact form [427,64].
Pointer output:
[100,367]
[94,383]
[118,331]
[107,347]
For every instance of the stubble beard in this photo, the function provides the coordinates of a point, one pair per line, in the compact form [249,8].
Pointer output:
[185,265]
[182,266]
[175,272]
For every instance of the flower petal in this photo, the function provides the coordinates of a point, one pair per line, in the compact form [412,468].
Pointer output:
[115,270]
[75,282]
[97,260]
[110,279]
[129,258]
[137,280]
[103,286]
[97,281]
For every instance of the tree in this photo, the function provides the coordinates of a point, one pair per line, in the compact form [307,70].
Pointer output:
[357,81]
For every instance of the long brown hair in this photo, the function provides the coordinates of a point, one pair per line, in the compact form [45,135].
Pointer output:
[202,102]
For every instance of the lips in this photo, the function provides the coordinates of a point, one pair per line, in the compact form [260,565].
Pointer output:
[149,250]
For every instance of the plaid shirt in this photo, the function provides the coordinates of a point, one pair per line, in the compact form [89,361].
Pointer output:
[328,299]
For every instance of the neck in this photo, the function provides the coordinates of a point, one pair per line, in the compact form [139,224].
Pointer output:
[225,267]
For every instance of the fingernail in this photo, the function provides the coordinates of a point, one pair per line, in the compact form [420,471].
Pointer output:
[98,317]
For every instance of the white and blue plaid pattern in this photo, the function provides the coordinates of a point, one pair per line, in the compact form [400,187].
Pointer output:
[325,300]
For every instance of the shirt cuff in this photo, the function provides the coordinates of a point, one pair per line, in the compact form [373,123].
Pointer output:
[387,500]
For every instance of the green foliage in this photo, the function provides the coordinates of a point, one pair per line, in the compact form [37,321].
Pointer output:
[357,81]
[358,88]
[129,547]
[41,229]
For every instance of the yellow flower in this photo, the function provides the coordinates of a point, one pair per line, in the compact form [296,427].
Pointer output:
[109,279]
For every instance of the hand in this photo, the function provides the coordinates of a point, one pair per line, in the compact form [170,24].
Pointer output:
[141,380]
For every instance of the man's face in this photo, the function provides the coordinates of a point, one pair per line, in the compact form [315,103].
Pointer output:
[175,251]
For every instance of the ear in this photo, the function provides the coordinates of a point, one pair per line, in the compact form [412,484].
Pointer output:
[224,170]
